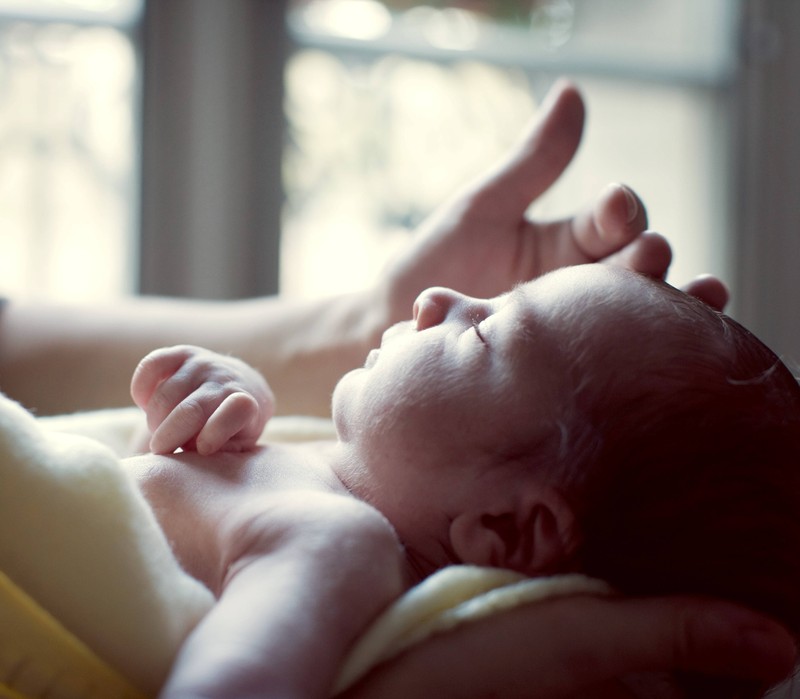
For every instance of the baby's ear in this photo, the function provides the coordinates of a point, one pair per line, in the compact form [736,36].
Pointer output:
[533,533]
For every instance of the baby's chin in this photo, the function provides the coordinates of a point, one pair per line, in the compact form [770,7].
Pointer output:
[341,398]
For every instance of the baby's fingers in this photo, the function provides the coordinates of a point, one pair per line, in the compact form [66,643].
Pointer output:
[182,424]
[155,368]
[237,415]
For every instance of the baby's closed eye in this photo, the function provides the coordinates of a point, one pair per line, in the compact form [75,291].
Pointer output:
[476,325]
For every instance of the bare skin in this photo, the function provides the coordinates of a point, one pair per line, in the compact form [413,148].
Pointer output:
[242,521]
[62,359]
[298,565]
[59,359]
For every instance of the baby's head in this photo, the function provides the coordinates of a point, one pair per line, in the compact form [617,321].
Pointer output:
[591,420]
[684,472]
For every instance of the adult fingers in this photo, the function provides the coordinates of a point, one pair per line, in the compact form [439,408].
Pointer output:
[648,254]
[617,217]
[694,635]
[614,221]
[537,161]
[710,290]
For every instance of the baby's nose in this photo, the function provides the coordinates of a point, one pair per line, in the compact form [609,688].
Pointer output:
[433,306]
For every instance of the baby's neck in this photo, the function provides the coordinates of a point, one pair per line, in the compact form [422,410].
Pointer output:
[307,465]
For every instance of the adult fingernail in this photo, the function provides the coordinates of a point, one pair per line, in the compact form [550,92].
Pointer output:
[631,203]
[750,645]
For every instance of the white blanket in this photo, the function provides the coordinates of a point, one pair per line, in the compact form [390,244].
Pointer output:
[78,537]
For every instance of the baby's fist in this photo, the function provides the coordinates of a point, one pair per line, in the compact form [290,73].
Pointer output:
[201,400]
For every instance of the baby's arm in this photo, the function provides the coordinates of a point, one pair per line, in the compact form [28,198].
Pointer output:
[198,399]
[292,601]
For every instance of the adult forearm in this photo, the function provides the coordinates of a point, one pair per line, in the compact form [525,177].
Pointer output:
[63,358]
[303,348]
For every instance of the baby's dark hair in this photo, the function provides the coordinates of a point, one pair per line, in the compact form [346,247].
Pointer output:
[685,476]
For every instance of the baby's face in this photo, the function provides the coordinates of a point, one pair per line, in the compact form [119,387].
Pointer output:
[470,383]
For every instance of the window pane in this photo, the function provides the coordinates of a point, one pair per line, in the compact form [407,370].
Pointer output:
[384,123]
[67,168]
[374,147]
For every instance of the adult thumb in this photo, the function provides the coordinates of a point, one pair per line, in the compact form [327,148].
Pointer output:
[540,157]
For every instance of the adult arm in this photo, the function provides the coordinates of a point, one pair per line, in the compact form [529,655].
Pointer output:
[582,646]
[58,359]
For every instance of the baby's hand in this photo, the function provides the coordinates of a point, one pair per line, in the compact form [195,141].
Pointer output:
[201,400]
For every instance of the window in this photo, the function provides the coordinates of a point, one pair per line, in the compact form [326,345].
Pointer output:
[68,165]
[391,105]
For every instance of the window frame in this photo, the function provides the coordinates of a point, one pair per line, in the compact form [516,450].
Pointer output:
[212,138]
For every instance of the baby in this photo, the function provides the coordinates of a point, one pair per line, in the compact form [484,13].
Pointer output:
[592,420]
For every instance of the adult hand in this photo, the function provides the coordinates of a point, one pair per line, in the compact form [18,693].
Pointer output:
[482,243]
[583,646]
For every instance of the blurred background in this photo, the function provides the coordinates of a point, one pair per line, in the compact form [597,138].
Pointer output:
[228,149]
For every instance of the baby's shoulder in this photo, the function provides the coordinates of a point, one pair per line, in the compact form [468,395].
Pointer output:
[316,531]
[312,516]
